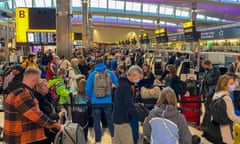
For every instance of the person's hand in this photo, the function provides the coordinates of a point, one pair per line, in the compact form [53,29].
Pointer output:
[60,114]
[54,126]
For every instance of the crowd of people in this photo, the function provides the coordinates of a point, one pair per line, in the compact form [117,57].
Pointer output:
[106,86]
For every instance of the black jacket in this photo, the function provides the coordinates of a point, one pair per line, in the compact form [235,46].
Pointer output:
[48,105]
[123,106]
[209,82]
[148,83]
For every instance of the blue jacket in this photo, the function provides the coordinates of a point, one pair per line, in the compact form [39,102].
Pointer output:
[90,86]
[113,64]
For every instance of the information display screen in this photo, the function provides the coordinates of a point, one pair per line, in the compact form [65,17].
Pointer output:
[41,38]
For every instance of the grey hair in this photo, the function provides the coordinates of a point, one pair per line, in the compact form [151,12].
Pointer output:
[135,70]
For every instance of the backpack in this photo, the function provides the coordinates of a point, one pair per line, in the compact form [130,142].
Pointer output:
[142,110]
[218,110]
[72,133]
[102,84]
[169,130]
[52,90]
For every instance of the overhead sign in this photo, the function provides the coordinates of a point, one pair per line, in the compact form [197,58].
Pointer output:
[176,38]
[189,24]
[221,33]
[161,35]
[190,31]
[23,25]
[22,22]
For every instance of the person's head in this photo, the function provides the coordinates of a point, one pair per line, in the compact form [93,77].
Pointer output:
[42,87]
[121,68]
[16,69]
[81,87]
[99,60]
[31,57]
[225,83]
[55,58]
[74,61]
[235,78]
[167,97]
[62,57]
[134,74]
[207,65]
[172,70]
[61,72]
[81,60]
[31,76]
[145,68]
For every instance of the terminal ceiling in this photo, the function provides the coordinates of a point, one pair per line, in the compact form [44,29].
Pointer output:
[219,12]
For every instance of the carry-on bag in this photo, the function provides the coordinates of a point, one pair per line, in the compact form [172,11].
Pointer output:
[191,108]
[72,133]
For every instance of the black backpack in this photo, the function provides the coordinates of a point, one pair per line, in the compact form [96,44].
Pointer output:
[218,110]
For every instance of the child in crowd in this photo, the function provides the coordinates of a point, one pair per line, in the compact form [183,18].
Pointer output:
[80,111]
[58,84]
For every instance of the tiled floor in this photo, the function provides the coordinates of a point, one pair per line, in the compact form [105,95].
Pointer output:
[106,139]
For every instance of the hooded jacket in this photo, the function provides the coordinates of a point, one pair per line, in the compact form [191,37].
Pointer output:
[173,115]
[90,85]
[123,106]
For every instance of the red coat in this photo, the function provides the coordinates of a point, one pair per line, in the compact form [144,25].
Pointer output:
[51,71]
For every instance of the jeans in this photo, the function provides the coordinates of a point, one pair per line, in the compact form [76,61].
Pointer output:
[97,114]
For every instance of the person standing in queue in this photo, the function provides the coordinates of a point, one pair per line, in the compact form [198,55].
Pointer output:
[24,123]
[123,107]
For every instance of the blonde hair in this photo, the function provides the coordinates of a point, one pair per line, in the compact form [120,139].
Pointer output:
[61,71]
[81,87]
[222,82]
[74,60]
[40,83]
[167,97]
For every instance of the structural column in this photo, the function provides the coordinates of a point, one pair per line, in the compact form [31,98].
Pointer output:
[64,28]
[85,23]
[90,30]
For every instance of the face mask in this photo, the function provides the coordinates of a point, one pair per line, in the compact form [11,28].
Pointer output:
[232,87]
[136,81]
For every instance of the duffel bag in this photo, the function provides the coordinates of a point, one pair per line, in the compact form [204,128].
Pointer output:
[149,93]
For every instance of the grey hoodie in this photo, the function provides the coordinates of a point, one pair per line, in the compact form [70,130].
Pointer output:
[172,114]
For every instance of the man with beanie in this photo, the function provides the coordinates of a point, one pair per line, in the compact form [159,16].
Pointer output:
[17,74]
[100,103]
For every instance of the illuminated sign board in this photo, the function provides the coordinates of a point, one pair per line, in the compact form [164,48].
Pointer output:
[161,35]
[189,24]
[24,33]
[190,31]
[22,22]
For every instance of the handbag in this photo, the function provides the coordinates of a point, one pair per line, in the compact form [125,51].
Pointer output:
[212,133]
[150,93]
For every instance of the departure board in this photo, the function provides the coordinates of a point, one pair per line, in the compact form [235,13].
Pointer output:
[41,38]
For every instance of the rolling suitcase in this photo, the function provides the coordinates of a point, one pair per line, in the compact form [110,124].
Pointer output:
[191,108]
